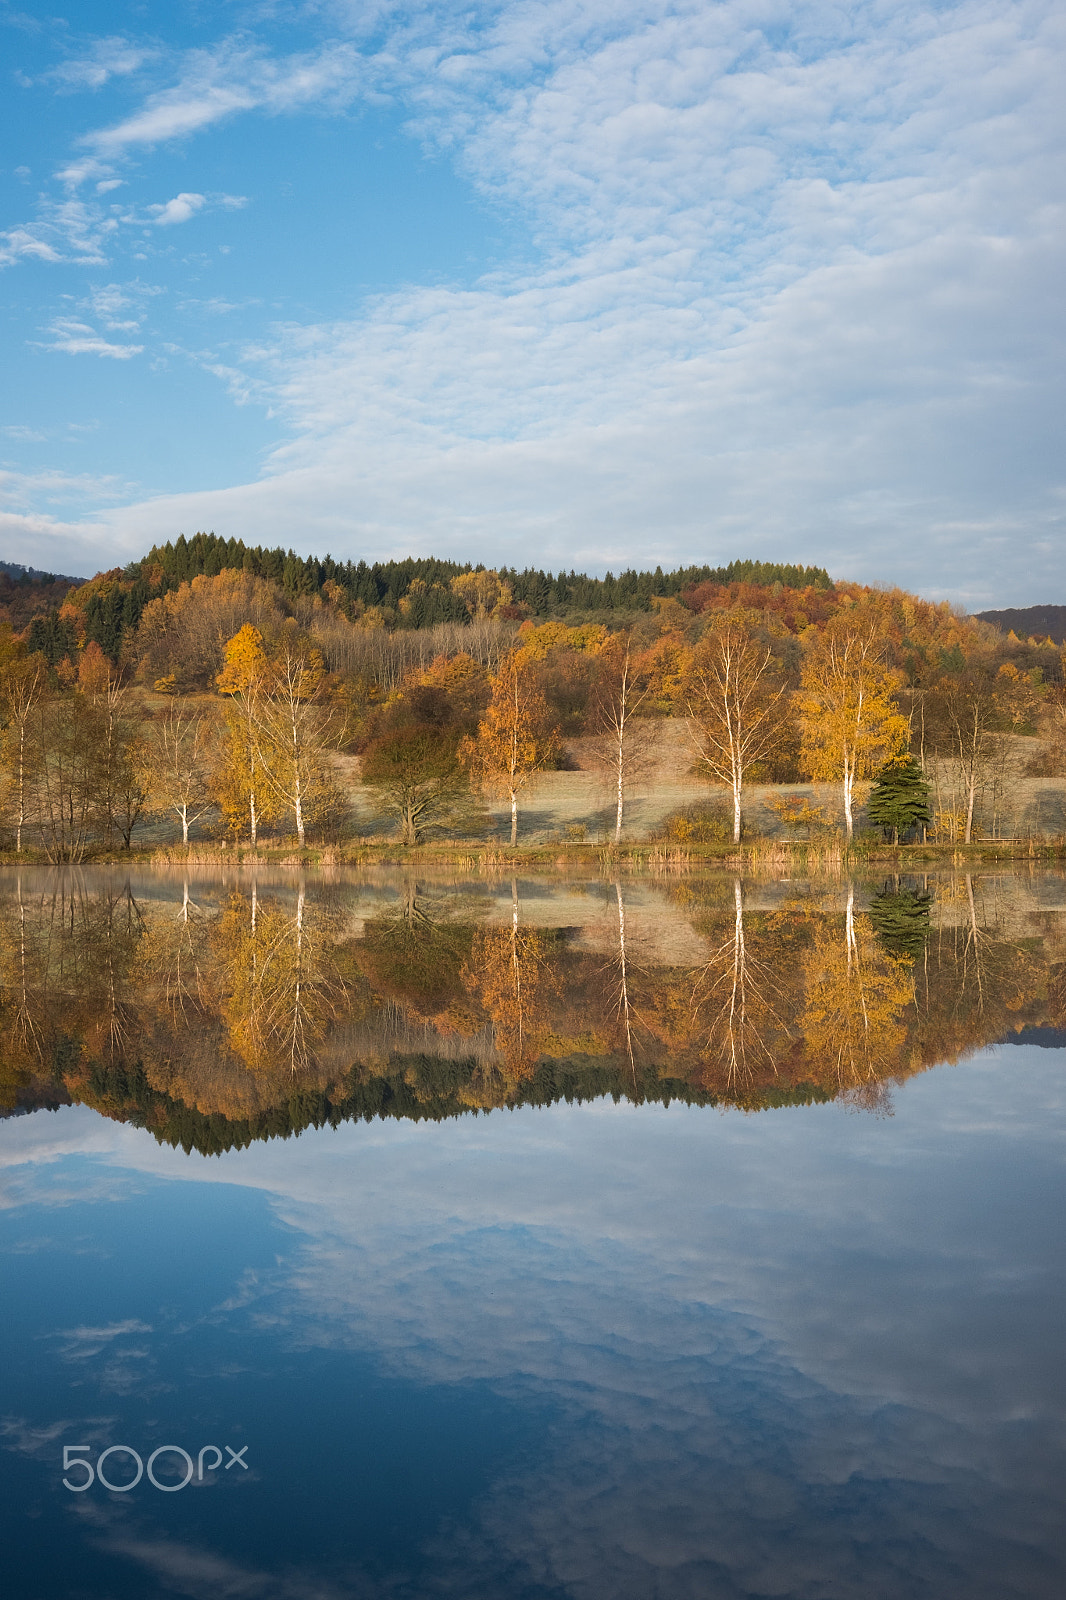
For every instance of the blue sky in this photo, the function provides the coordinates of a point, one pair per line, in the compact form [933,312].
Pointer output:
[553,282]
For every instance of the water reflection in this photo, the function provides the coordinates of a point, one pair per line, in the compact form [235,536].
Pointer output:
[220,1010]
[596,1351]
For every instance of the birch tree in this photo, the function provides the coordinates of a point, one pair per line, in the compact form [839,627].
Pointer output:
[969,721]
[735,697]
[180,764]
[619,693]
[290,724]
[516,737]
[849,722]
[23,682]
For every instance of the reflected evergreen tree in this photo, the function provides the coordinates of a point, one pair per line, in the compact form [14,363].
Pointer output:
[901,920]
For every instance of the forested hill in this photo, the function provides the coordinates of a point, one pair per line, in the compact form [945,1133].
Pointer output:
[409,594]
[1030,622]
[384,584]
[26,593]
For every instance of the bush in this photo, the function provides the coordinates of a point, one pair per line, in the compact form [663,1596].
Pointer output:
[704,822]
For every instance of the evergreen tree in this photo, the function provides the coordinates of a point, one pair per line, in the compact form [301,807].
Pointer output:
[901,920]
[900,798]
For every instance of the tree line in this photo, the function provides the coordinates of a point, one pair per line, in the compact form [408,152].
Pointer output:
[413,593]
[228,704]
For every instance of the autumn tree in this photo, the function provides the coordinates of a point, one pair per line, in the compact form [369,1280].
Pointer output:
[849,722]
[124,764]
[23,683]
[183,636]
[291,721]
[856,994]
[412,762]
[68,780]
[180,763]
[619,691]
[239,782]
[735,697]
[417,776]
[967,721]
[516,737]
[482,592]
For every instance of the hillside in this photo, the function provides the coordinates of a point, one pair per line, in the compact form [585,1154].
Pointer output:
[1030,622]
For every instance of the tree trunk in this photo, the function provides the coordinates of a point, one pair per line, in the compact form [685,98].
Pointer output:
[22,788]
[736,807]
[849,780]
[251,804]
[298,806]
[185,826]
[621,790]
[514,817]
[408,826]
[971,792]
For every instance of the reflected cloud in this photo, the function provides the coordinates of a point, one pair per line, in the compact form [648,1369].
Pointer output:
[794,1352]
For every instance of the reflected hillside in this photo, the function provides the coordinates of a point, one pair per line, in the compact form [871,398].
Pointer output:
[217,1011]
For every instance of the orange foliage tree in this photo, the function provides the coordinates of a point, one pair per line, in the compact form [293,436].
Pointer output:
[515,738]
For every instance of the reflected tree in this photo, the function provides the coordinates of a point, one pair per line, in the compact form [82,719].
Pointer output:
[733,1004]
[281,987]
[856,994]
[511,973]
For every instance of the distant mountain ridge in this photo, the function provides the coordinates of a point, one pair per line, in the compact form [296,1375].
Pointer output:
[1030,622]
[15,570]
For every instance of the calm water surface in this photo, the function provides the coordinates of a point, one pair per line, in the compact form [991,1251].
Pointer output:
[690,1239]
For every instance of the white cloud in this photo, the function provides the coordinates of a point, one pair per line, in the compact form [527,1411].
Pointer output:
[217,84]
[107,59]
[180,209]
[76,338]
[70,230]
[20,490]
[20,243]
[23,435]
[185,206]
[794,292]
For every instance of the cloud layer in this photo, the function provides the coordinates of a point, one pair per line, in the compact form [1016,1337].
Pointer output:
[790,288]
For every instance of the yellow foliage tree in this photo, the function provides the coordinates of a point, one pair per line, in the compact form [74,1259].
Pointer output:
[482,592]
[849,721]
[239,781]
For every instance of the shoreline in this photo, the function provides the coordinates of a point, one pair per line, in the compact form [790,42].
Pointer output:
[651,857]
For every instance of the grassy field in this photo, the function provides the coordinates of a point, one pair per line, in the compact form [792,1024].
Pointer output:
[569,815]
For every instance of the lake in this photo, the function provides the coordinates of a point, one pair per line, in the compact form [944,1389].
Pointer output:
[389,1235]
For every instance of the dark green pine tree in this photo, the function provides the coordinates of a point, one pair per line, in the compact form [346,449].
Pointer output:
[901,920]
[900,798]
